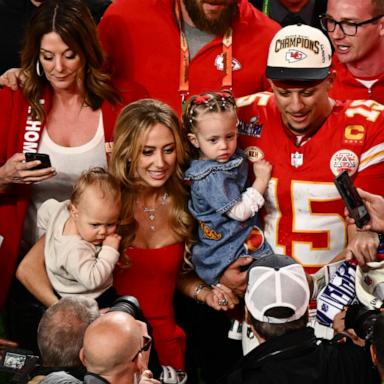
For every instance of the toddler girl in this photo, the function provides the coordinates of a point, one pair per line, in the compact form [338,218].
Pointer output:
[220,200]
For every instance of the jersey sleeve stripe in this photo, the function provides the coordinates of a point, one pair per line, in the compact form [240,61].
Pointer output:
[373,156]
[246,100]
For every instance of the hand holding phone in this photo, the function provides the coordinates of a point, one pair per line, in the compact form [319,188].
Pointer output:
[43,157]
[352,200]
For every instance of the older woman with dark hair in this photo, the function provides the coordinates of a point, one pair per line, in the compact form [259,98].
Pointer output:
[14,18]
[66,109]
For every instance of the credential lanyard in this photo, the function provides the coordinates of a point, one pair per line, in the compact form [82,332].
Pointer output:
[184,58]
[265,8]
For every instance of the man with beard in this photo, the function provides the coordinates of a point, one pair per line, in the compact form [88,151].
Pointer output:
[356,30]
[176,48]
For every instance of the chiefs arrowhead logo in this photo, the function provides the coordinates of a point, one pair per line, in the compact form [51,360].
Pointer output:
[294,55]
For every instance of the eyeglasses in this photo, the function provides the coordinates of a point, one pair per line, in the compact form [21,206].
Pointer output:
[146,345]
[349,28]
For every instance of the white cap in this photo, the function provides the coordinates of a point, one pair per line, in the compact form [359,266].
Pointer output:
[366,284]
[276,281]
[299,53]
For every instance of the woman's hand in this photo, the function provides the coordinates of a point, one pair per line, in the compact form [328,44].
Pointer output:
[219,297]
[17,171]
[32,274]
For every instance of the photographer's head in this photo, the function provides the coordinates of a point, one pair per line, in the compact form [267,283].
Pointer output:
[61,330]
[377,346]
[115,347]
[277,296]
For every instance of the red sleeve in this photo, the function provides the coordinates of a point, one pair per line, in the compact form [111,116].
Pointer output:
[6,101]
[113,36]
[370,174]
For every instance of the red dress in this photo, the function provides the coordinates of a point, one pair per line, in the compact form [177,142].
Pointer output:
[151,278]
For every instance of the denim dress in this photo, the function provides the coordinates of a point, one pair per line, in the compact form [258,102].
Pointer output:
[215,189]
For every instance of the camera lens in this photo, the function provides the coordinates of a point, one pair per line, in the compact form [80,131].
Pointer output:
[128,304]
[361,320]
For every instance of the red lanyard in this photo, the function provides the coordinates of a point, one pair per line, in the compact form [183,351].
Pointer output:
[184,58]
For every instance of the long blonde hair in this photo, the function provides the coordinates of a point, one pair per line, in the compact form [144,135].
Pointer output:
[133,123]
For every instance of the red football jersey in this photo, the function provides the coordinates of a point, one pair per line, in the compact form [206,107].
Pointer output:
[304,214]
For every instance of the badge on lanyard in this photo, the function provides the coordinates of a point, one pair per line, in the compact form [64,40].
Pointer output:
[297,159]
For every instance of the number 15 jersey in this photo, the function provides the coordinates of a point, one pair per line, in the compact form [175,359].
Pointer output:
[304,214]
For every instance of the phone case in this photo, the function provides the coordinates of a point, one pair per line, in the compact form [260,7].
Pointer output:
[43,157]
[352,200]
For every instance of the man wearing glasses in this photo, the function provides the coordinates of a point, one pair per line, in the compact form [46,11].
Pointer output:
[116,350]
[356,30]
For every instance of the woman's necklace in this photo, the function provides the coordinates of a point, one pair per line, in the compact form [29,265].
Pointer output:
[151,212]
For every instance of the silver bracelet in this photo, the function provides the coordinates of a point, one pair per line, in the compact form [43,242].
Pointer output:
[197,290]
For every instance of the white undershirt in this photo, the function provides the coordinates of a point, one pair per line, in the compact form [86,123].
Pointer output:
[69,163]
[367,83]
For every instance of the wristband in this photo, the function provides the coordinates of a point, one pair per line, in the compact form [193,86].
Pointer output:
[197,290]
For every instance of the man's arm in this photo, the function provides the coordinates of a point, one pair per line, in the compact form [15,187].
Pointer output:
[362,245]
[13,78]
[235,275]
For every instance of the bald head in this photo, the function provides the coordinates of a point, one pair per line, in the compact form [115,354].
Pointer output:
[110,343]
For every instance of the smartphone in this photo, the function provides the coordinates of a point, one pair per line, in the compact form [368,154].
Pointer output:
[43,157]
[352,200]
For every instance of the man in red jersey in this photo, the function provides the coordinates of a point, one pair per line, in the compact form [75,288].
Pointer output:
[310,138]
[176,48]
[356,30]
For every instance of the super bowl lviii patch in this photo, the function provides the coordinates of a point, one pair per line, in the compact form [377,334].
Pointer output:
[252,128]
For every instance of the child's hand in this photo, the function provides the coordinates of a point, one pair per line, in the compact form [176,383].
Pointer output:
[112,240]
[262,170]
